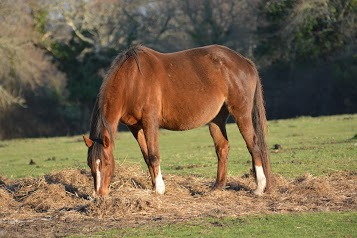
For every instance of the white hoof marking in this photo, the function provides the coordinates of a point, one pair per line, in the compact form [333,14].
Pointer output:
[261,180]
[159,183]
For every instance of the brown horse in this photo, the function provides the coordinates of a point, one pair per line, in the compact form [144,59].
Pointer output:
[147,90]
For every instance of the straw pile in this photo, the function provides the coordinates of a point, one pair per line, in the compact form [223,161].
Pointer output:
[65,198]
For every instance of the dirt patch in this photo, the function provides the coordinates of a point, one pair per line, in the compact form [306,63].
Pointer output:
[61,203]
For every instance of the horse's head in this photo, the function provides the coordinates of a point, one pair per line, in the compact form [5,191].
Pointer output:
[101,161]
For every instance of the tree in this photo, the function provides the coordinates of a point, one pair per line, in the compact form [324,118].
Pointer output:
[307,53]
[23,66]
[31,86]
[305,30]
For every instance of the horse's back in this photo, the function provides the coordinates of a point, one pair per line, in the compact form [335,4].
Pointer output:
[201,68]
[187,89]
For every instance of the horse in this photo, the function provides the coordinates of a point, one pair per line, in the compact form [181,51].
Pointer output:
[147,90]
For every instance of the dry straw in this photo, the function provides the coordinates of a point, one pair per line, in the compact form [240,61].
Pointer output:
[67,195]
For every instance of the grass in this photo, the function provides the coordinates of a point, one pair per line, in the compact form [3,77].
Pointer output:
[310,145]
[330,224]
[47,153]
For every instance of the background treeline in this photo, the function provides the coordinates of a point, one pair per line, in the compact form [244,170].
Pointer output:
[54,53]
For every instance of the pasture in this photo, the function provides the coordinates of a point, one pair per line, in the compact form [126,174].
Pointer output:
[315,175]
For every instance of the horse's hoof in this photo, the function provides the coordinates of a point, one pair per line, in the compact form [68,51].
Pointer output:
[160,188]
[258,192]
[218,187]
[160,192]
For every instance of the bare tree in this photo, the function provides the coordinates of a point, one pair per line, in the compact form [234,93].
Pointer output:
[308,29]
[114,24]
[209,21]
[23,66]
[232,23]
[100,24]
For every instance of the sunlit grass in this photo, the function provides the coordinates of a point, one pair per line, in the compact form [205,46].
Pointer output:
[298,225]
[309,145]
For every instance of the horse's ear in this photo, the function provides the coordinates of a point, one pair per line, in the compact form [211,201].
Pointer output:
[88,141]
[106,141]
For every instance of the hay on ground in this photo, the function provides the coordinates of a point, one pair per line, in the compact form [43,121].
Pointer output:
[67,195]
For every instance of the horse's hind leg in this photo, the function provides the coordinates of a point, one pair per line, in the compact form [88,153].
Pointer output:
[218,132]
[243,118]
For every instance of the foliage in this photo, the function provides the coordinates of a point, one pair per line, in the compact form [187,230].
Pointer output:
[305,30]
[23,67]
[62,49]
[305,45]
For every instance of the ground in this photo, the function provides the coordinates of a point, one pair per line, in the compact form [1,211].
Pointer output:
[61,203]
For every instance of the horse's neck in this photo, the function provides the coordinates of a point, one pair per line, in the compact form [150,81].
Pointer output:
[112,101]
[112,116]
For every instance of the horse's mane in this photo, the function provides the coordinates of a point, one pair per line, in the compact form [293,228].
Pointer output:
[98,120]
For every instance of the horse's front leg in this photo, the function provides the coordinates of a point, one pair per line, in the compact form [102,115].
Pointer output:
[151,133]
[138,133]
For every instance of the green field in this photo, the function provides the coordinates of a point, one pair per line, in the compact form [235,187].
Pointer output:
[317,146]
[288,225]
[310,145]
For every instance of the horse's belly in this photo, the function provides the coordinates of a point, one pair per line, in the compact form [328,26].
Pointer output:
[190,115]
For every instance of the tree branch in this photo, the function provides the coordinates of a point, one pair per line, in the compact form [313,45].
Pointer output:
[78,33]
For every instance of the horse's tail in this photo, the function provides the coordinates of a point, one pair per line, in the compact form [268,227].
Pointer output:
[260,128]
